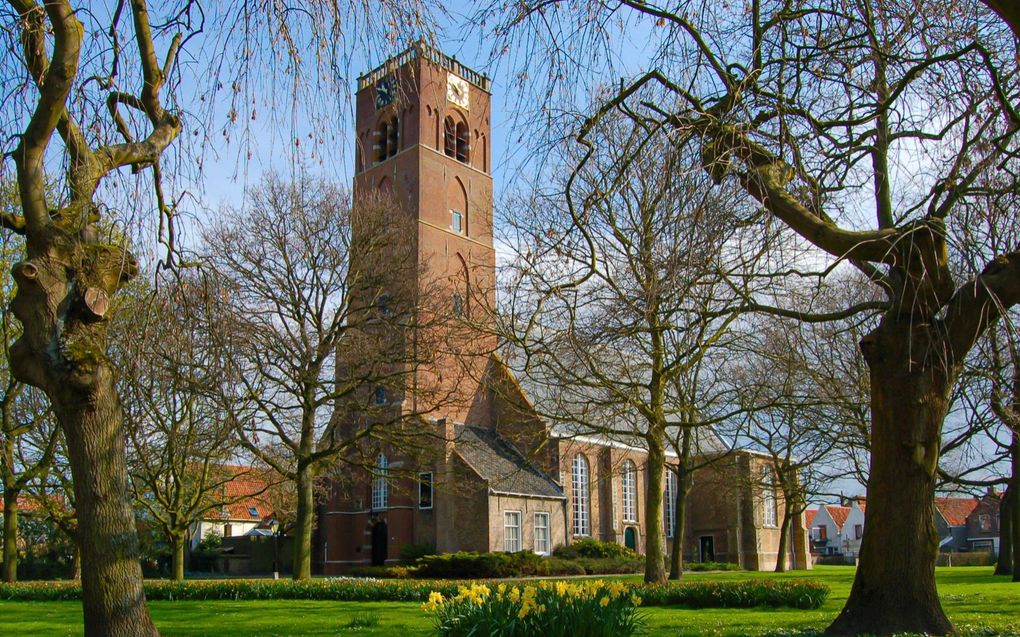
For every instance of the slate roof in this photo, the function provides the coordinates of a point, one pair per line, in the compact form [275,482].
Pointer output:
[956,510]
[502,466]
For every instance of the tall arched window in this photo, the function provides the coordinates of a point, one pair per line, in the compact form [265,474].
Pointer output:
[580,491]
[449,137]
[629,476]
[768,500]
[669,504]
[456,140]
[380,484]
[463,143]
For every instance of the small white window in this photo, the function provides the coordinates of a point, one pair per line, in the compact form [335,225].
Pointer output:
[457,221]
[768,499]
[542,533]
[380,484]
[629,479]
[511,531]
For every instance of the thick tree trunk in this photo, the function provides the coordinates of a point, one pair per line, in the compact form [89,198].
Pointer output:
[303,526]
[177,546]
[112,594]
[75,573]
[10,535]
[1014,512]
[684,482]
[1004,562]
[655,553]
[784,534]
[894,588]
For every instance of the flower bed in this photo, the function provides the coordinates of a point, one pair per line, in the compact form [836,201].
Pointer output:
[580,609]
[743,594]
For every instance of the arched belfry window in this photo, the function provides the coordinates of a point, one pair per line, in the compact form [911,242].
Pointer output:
[457,140]
[463,143]
[387,139]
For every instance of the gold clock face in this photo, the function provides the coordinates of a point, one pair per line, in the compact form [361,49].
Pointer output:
[457,91]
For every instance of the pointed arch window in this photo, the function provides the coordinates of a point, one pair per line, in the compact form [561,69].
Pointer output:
[581,492]
[387,139]
[457,140]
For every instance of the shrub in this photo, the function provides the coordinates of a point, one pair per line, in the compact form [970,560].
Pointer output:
[583,609]
[481,565]
[744,594]
[383,572]
[593,549]
[410,553]
[711,566]
[832,560]
[609,565]
[977,558]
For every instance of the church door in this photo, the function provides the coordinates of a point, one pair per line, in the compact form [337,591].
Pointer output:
[630,538]
[380,548]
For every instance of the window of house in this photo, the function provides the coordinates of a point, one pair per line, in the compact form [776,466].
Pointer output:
[580,493]
[822,532]
[228,530]
[253,512]
[458,304]
[425,490]
[457,221]
[768,497]
[985,522]
[383,305]
[380,395]
[858,531]
[380,484]
[511,531]
[669,504]
[629,479]
[542,533]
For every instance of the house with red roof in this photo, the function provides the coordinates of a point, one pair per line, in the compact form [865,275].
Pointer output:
[968,524]
[827,524]
[246,507]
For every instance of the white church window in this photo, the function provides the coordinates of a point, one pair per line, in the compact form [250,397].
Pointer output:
[511,531]
[380,484]
[669,504]
[768,497]
[629,479]
[580,491]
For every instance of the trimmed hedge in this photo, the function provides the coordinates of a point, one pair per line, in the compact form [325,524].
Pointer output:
[594,549]
[465,565]
[745,594]
[695,567]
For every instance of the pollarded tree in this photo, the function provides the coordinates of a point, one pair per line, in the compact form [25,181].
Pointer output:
[92,90]
[315,301]
[830,113]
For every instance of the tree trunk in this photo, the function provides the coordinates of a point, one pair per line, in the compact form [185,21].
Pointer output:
[684,482]
[303,525]
[894,587]
[112,594]
[1014,508]
[75,573]
[177,546]
[655,554]
[784,533]
[1004,562]
[10,535]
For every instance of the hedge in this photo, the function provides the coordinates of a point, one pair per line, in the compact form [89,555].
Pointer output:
[745,594]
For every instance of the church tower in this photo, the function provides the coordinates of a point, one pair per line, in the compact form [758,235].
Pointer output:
[423,139]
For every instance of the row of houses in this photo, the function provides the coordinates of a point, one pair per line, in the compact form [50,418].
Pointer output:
[964,525]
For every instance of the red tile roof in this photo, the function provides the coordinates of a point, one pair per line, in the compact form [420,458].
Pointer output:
[809,517]
[244,494]
[956,510]
[838,514]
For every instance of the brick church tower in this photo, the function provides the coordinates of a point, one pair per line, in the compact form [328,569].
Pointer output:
[422,149]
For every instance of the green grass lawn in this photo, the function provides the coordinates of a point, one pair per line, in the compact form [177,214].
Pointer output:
[971,596]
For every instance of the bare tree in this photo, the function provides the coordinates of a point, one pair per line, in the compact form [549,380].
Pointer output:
[813,112]
[317,303]
[611,306]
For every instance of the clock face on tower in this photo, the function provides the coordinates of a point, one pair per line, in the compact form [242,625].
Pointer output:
[384,92]
[457,91]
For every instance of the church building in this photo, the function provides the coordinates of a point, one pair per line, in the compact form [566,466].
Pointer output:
[496,476]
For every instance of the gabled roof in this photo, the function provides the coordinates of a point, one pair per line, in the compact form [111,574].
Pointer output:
[497,462]
[809,517]
[955,510]
[245,495]
[838,514]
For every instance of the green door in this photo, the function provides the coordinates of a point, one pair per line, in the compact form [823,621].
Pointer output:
[630,538]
